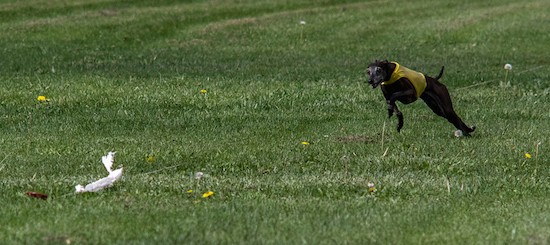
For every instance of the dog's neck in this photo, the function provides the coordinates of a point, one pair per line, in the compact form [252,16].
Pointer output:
[390,68]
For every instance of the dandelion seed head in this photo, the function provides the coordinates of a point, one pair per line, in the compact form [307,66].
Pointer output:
[508,67]
[458,133]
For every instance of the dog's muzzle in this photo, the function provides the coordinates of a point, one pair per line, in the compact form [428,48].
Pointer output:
[373,83]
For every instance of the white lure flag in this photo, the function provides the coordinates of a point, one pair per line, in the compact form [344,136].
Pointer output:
[108,181]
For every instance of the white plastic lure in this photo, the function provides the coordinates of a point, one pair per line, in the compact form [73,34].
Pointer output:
[103,183]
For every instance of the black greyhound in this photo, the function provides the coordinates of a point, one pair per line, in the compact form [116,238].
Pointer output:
[404,85]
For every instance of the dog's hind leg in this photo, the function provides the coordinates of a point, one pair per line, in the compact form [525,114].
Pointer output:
[450,114]
[433,103]
[441,104]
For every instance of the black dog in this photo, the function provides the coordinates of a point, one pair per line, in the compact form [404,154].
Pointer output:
[405,85]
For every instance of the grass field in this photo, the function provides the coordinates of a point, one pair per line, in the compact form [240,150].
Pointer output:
[278,116]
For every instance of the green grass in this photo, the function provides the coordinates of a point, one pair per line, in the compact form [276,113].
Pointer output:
[126,76]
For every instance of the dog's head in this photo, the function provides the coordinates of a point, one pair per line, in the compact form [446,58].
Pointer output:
[378,72]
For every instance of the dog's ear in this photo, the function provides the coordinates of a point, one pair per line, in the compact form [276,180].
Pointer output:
[383,63]
[373,63]
[378,62]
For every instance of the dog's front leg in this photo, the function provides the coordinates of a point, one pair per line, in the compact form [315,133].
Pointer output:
[399,118]
[391,99]
[390,108]
[406,96]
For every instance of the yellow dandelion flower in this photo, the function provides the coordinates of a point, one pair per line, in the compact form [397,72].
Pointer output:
[42,98]
[527,155]
[189,191]
[207,194]
[305,143]
[150,158]
[203,91]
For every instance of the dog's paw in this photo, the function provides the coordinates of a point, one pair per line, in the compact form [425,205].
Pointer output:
[399,126]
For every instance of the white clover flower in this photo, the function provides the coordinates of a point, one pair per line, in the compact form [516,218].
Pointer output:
[508,67]
[372,187]
[199,175]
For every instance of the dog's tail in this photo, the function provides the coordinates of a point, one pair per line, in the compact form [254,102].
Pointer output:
[440,73]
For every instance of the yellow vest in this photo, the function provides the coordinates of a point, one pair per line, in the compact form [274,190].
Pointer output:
[417,79]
